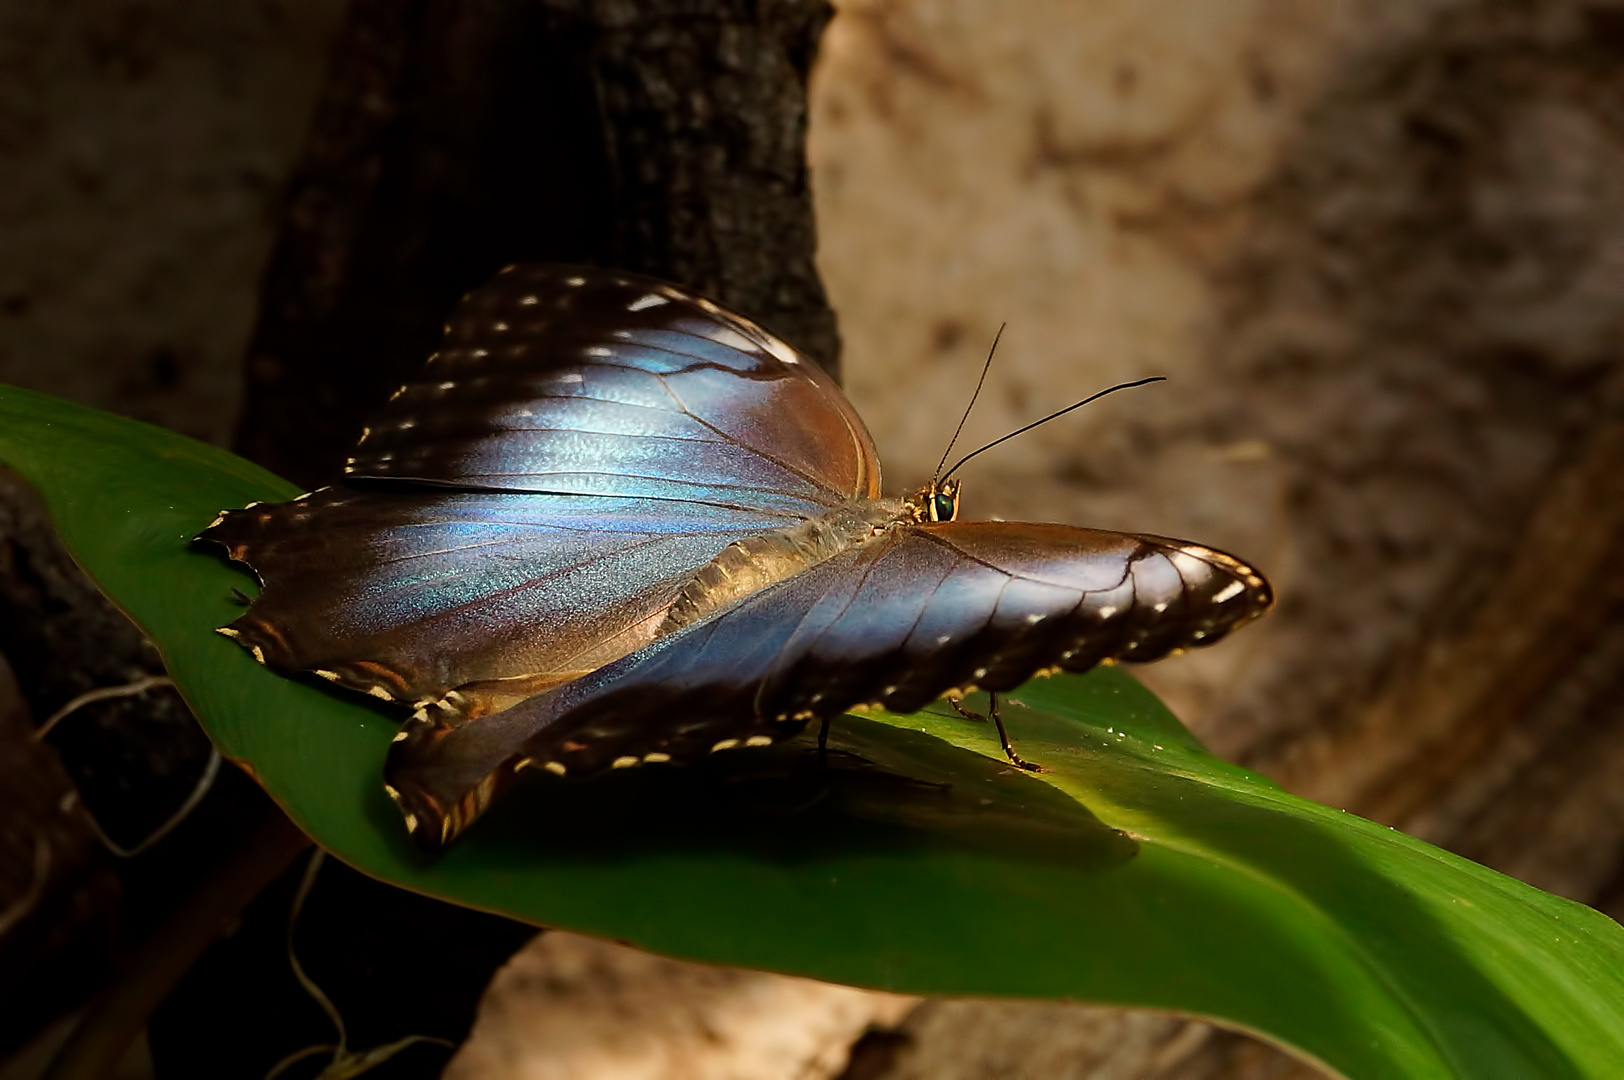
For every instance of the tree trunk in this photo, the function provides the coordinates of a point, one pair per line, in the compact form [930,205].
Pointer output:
[454,138]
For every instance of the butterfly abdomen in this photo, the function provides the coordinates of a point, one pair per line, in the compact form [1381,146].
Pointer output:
[747,566]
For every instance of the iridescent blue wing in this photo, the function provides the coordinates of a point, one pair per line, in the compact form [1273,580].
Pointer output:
[895,622]
[487,596]
[527,509]
[573,381]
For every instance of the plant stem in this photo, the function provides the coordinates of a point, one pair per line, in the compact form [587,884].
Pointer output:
[158,964]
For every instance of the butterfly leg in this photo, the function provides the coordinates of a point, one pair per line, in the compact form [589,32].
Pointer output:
[823,740]
[1003,737]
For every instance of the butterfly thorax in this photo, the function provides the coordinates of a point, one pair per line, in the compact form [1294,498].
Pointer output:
[747,566]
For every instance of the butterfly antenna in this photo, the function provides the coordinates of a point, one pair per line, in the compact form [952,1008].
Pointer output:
[1051,416]
[979,384]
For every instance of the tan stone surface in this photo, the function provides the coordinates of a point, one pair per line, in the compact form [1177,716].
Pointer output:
[1048,1041]
[144,147]
[1076,171]
[572,1008]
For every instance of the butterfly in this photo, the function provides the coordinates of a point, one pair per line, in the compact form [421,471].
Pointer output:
[612,524]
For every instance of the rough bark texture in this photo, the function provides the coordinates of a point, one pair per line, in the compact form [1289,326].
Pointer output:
[129,763]
[133,759]
[57,896]
[454,138]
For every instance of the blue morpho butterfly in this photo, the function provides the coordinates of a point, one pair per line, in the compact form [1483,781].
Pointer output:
[612,523]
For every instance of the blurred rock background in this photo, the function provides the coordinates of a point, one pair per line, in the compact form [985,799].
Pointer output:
[1376,245]
[145,144]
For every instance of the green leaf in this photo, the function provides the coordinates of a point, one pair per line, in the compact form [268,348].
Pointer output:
[1136,869]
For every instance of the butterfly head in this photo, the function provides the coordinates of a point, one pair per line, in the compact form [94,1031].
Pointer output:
[936,501]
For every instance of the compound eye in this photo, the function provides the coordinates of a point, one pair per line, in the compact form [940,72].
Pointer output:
[942,507]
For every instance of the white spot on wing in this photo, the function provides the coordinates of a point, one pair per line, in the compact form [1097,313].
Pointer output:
[723,335]
[759,740]
[781,350]
[528,301]
[575,282]
[725,744]
[1229,592]
[555,768]
[1191,567]
[625,762]
[643,303]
